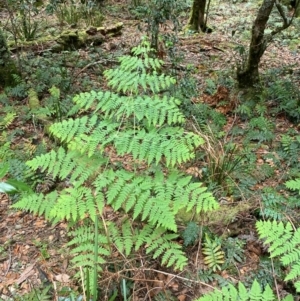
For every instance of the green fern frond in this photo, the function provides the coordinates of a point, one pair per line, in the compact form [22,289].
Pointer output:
[68,129]
[134,74]
[230,293]
[276,234]
[141,128]
[38,204]
[161,243]
[213,254]
[103,134]
[74,204]
[156,199]
[172,144]
[63,164]
[155,110]
[7,120]
[123,238]
[83,242]
[293,184]
[284,242]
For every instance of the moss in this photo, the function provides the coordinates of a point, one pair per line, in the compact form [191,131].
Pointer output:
[222,216]
[33,99]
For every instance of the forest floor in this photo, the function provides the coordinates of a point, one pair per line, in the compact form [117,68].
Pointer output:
[32,250]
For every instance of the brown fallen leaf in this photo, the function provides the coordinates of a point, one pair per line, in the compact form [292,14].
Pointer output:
[181,297]
[62,278]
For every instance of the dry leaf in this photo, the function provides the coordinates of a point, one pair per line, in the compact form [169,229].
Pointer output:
[62,278]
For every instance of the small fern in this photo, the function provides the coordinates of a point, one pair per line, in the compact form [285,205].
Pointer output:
[213,254]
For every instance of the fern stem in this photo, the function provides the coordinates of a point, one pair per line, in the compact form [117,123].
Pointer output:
[95,260]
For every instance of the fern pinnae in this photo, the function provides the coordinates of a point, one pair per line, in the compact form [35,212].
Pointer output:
[294,273]
[127,236]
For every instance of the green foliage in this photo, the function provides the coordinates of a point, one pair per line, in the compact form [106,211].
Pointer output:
[122,152]
[234,251]
[191,233]
[75,11]
[285,96]
[273,205]
[23,24]
[157,13]
[221,161]
[284,243]
[260,129]
[210,276]
[266,273]
[289,152]
[204,115]
[41,294]
[231,293]
[293,184]
[213,254]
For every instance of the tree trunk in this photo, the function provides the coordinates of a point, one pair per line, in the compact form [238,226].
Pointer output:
[249,76]
[197,17]
[7,65]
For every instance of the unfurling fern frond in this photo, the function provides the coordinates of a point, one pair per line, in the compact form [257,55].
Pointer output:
[284,242]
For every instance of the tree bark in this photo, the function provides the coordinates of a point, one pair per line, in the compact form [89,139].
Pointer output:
[249,76]
[7,66]
[197,17]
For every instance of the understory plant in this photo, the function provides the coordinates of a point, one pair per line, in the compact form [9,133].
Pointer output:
[283,240]
[122,152]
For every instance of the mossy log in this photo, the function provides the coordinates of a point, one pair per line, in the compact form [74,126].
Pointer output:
[72,39]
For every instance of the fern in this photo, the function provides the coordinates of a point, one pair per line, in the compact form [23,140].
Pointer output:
[97,165]
[230,293]
[213,254]
[155,110]
[284,243]
[7,120]
[40,294]
[293,184]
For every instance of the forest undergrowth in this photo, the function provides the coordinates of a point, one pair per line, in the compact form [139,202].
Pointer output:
[187,179]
